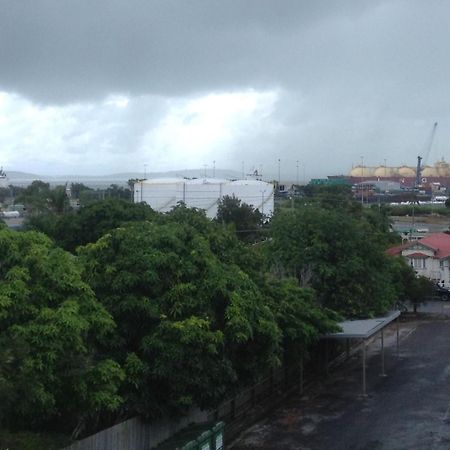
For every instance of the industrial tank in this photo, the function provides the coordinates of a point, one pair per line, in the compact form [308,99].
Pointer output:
[162,194]
[384,172]
[429,171]
[406,171]
[443,169]
[362,171]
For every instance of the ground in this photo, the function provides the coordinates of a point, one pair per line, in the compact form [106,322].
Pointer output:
[408,409]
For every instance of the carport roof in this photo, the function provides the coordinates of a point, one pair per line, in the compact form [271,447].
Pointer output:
[362,329]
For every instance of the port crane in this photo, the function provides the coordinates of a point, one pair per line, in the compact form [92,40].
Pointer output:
[429,144]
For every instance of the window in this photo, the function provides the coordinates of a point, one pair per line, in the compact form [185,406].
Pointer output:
[418,263]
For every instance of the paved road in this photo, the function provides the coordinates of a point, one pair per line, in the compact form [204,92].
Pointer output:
[409,409]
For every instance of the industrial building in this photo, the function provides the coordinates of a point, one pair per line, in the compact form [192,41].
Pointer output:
[162,194]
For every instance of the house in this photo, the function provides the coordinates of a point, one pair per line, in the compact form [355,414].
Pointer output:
[429,256]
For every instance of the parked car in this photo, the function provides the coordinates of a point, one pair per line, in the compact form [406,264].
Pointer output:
[442,292]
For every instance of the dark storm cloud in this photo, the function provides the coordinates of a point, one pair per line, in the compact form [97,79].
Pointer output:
[350,78]
[64,51]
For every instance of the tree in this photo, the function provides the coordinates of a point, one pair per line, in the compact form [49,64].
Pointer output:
[77,188]
[246,220]
[51,326]
[90,222]
[339,256]
[409,287]
[38,197]
[188,325]
[301,320]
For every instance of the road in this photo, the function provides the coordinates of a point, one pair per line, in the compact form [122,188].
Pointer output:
[408,409]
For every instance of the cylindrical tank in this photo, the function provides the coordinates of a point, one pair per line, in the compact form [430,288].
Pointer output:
[429,171]
[162,194]
[362,171]
[443,168]
[406,171]
[384,171]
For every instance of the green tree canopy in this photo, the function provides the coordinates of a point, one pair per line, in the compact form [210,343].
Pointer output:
[50,328]
[171,295]
[341,257]
[90,222]
[246,220]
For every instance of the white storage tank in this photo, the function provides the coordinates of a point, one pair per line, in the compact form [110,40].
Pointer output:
[162,194]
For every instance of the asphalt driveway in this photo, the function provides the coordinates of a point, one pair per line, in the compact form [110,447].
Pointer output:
[408,409]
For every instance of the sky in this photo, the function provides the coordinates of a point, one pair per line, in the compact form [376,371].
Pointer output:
[309,87]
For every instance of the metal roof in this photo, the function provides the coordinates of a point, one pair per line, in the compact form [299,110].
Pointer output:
[362,329]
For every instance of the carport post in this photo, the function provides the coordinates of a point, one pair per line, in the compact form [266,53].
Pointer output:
[301,376]
[398,349]
[383,374]
[364,368]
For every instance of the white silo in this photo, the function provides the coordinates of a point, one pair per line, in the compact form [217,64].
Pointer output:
[162,194]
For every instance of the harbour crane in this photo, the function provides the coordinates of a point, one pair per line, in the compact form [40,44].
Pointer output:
[427,151]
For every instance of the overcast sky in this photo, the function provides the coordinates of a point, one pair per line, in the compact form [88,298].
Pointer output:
[104,86]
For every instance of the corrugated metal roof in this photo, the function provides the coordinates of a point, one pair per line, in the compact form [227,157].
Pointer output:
[362,329]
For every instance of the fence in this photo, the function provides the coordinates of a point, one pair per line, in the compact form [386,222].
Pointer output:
[237,412]
[136,434]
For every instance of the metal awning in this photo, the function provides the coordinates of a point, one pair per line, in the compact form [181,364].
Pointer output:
[364,330]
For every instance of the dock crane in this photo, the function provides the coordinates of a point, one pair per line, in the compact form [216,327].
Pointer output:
[427,149]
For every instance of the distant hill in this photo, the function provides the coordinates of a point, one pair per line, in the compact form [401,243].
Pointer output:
[97,181]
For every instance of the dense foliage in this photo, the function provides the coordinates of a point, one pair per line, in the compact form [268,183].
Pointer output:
[246,220]
[191,323]
[50,327]
[338,255]
[89,223]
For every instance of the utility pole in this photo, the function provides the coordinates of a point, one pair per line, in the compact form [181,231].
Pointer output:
[279,173]
[362,181]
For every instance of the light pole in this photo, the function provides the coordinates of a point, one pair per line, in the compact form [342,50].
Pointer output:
[279,173]
[362,181]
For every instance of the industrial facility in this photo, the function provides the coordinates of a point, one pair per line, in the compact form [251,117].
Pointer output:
[406,175]
[162,194]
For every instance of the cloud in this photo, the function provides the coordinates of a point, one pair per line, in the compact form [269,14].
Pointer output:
[107,85]
[122,134]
